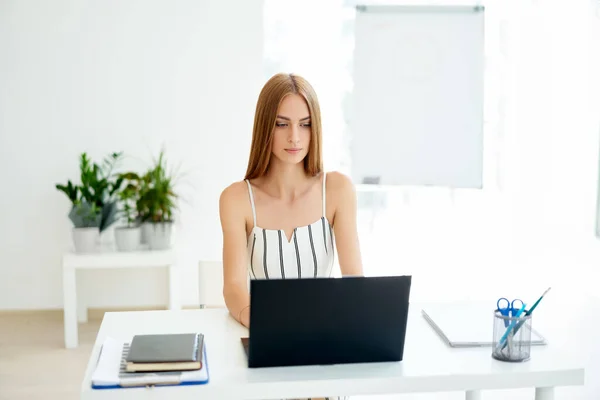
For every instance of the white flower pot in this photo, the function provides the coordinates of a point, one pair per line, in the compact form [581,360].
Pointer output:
[107,238]
[86,239]
[145,232]
[159,235]
[127,238]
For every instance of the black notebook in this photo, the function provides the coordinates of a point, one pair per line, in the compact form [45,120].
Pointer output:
[165,352]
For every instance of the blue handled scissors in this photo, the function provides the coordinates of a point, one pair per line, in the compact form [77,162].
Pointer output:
[508,308]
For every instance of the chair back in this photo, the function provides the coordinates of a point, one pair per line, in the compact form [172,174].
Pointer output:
[210,283]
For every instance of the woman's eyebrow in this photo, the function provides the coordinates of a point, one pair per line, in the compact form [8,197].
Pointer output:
[287,119]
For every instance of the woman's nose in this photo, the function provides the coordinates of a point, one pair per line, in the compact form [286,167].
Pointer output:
[294,135]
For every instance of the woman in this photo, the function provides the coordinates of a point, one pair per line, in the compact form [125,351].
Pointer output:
[284,219]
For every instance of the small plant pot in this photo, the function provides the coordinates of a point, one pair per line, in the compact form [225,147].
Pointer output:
[159,235]
[86,240]
[128,238]
[145,228]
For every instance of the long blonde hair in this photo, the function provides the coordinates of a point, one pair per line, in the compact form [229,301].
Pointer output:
[271,95]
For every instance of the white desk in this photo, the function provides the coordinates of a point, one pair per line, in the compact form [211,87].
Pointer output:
[428,366]
[74,306]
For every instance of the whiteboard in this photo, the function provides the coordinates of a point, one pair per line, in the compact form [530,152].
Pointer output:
[417,115]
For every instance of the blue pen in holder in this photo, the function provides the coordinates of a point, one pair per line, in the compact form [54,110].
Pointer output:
[512,337]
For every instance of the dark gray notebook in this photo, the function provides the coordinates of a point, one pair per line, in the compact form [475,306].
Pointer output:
[166,348]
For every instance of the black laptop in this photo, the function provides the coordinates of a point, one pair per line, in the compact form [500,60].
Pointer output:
[327,320]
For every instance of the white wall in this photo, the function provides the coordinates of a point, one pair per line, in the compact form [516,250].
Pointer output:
[103,76]
[539,219]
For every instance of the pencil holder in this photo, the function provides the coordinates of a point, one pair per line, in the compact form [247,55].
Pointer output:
[512,338]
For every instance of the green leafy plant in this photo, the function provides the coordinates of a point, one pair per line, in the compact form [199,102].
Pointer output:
[157,201]
[94,202]
[129,196]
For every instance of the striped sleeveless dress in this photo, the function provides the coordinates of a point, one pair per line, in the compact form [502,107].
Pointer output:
[310,252]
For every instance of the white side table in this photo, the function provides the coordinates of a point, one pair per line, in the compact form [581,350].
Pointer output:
[75,308]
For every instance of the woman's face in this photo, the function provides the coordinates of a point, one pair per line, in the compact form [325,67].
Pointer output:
[291,139]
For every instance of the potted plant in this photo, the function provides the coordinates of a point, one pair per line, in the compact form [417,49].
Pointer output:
[93,203]
[156,205]
[128,237]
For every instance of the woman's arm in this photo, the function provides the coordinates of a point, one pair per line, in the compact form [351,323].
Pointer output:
[235,277]
[344,223]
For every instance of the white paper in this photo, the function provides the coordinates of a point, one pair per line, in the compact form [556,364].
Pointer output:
[109,363]
[467,325]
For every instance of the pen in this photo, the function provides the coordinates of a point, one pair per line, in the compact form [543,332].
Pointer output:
[528,312]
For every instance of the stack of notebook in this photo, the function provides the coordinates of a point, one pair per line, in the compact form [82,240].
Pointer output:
[163,359]
[171,352]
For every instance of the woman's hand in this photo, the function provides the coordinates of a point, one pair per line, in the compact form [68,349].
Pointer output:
[244,317]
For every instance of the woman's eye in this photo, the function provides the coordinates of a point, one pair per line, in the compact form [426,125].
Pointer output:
[282,124]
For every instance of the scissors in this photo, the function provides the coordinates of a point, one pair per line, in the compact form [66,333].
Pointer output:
[507,308]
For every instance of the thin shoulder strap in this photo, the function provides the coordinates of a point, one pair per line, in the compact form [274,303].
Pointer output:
[324,196]
[251,201]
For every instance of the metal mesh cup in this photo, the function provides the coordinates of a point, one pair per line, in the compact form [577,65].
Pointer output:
[512,338]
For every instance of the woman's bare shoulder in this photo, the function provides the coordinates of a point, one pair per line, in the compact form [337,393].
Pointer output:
[234,196]
[339,182]
[340,192]
[236,189]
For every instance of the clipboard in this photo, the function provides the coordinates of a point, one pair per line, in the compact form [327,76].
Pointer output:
[111,373]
